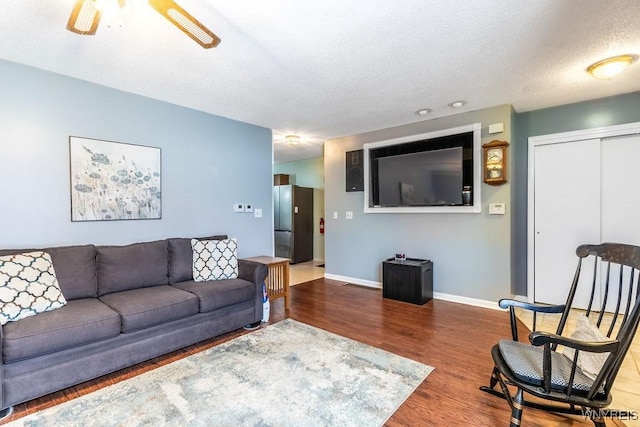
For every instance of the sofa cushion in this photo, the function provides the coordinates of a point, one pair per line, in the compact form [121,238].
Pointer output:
[75,268]
[140,265]
[219,293]
[215,259]
[181,257]
[146,307]
[28,286]
[79,322]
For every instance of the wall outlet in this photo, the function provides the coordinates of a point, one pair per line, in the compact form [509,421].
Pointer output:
[248,207]
[349,215]
[257,213]
[335,214]
[238,207]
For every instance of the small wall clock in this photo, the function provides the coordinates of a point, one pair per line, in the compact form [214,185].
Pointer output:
[495,162]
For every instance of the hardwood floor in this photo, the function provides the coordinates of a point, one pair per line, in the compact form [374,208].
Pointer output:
[455,339]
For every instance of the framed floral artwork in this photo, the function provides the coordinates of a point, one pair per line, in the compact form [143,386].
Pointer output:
[114,181]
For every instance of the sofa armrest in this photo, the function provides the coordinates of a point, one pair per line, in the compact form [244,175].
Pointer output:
[252,271]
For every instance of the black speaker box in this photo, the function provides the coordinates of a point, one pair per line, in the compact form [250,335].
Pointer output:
[355,170]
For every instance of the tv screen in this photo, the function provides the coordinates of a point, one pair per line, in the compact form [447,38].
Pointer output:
[428,172]
[429,178]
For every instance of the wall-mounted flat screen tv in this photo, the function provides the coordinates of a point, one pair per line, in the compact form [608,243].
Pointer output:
[422,173]
[428,178]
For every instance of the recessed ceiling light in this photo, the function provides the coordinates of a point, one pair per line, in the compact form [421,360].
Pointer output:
[457,104]
[611,67]
[423,112]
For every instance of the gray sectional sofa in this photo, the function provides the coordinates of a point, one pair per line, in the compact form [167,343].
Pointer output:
[125,305]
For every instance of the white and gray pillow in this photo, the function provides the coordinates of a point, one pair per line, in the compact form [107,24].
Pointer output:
[28,286]
[214,259]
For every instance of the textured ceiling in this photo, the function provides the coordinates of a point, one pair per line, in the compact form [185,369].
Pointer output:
[331,68]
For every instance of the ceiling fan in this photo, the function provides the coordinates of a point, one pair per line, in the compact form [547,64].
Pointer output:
[86,14]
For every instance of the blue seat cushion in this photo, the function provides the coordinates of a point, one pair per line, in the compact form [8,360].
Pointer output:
[215,294]
[525,361]
[146,307]
[79,322]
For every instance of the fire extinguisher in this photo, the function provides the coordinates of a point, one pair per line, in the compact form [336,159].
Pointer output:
[321,225]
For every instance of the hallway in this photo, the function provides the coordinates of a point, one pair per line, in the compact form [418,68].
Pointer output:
[305,272]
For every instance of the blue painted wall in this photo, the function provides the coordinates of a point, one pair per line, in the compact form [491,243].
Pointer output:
[597,113]
[208,164]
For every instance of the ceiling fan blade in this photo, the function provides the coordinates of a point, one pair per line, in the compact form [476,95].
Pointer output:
[84,18]
[187,23]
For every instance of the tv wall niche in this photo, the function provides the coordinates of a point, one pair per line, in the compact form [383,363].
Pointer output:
[434,172]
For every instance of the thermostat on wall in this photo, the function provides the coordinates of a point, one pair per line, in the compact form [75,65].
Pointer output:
[497,208]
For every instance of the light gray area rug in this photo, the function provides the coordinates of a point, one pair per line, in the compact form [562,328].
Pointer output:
[287,374]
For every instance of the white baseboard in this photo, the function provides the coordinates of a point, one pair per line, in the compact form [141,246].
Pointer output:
[361,282]
[437,295]
[493,305]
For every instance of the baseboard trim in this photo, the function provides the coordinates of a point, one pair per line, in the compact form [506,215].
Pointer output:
[493,305]
[361,282]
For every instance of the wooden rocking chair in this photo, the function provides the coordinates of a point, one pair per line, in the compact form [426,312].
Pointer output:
[540,369]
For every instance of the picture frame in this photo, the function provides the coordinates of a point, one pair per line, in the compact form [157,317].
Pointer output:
[112,181]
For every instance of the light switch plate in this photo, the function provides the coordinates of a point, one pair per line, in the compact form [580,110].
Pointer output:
[349,215]
[257,213]
[497,208]
[248,207]
[335,215]
[238,207]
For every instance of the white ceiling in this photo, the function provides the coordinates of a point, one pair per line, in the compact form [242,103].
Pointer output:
[329,68]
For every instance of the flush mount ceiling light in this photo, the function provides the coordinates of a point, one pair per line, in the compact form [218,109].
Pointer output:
[292,140]
[457,104]
[611,67]
[423,111]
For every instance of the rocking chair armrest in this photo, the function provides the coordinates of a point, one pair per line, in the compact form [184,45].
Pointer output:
[540,308]
[538,338]
[511,304]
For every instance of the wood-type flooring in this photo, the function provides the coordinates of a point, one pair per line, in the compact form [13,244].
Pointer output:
[456,339]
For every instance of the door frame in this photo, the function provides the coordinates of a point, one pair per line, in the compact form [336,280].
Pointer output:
[558,138]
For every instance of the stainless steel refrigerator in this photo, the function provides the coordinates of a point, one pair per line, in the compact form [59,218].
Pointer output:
[293,222]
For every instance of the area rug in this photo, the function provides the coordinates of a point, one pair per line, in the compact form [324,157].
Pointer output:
[286,374]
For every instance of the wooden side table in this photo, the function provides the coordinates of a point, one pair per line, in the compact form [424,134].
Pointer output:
[278,278]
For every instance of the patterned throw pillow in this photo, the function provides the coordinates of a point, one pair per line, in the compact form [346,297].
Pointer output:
[28,286]
[214,259]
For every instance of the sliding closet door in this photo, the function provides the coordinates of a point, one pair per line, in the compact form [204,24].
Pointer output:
[621,189]
[567,214]
[620,197]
